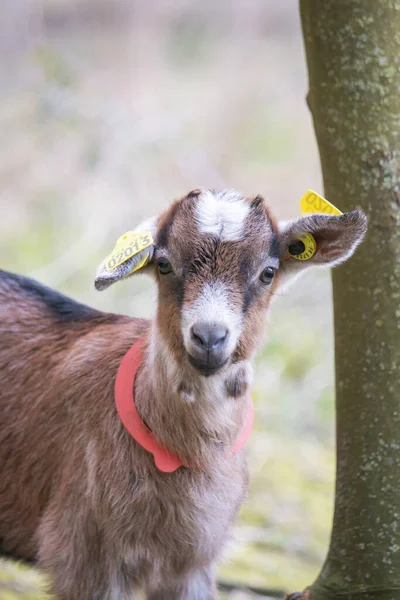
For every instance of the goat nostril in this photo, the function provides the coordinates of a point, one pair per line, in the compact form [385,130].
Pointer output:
[220,337]
[196,335]
[209,335]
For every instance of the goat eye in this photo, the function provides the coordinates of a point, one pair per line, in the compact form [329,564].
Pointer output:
[267,275]
[164,266]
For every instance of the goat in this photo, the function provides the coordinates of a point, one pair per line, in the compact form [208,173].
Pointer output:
[79,495]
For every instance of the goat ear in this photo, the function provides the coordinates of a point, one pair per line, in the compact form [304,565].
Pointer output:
[132,252]
[333,240]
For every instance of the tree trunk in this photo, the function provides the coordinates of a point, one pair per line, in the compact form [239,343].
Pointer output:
[353,56]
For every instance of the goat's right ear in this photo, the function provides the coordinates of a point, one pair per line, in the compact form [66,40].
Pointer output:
[132,252]
[331,240]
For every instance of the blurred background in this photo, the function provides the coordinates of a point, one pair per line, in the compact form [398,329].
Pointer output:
[110,109]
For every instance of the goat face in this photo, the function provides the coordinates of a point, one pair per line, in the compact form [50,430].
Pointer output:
[218,258]
[215,260]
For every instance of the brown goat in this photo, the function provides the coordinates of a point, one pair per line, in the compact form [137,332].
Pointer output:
[78,495]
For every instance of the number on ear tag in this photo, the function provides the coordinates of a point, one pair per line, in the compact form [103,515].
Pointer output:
[312,202]
[127,246]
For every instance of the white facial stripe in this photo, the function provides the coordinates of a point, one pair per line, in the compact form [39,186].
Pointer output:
[222,214]
[213,306]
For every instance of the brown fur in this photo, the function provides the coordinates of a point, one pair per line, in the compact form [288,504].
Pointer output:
[77,493]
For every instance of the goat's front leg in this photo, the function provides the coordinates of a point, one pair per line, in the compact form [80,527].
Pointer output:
[73,553]
[200,586]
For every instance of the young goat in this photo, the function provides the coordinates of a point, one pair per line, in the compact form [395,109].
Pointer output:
[79,495]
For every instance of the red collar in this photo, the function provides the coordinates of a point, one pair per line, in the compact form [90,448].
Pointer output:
[125,402]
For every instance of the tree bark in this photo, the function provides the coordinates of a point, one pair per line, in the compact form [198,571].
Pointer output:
[353,56]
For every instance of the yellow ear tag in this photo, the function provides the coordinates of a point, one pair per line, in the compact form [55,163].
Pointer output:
[312,202]
[310,247]
[129,245]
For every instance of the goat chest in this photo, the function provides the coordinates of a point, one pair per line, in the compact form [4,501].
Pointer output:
[166,524]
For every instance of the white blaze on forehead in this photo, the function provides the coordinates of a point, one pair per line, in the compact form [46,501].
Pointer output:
[213,306]
[222,214]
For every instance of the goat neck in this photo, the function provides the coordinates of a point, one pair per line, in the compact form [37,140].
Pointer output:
[194,416]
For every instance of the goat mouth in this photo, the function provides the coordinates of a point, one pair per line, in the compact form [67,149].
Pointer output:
[207,369]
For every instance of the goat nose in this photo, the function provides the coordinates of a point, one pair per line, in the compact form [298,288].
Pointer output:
[209,335]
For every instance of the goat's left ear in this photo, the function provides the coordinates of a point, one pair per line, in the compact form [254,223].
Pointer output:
[132,252]
[336,238]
